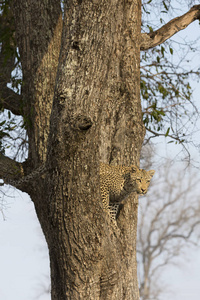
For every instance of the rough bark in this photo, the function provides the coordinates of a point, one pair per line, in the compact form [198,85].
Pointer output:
[8,98]
[38,35]
[97,84]
[11,101]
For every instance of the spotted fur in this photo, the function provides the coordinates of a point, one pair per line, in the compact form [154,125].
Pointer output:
[118,182]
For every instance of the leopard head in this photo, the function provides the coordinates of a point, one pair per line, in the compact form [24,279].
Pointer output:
[141,179]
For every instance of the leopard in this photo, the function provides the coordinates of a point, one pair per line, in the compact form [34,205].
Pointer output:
[118,182]
[26,179]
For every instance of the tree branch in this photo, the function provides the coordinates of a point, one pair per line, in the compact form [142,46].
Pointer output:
[8,98]
[152,39]
[10,170]
[19,175]
[11,100]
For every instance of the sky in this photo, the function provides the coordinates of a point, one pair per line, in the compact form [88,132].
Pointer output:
[183,280]
[24,262]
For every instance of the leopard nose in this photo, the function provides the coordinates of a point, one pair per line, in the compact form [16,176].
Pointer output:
[144,191]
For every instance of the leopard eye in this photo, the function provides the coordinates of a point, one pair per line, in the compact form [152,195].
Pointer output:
[139,180]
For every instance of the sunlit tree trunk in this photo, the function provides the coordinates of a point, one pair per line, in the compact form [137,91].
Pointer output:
[96,116]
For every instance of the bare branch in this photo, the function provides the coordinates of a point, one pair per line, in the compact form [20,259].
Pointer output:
[174,137]
[182,236]
[162,134]
[172,226]
[152,39]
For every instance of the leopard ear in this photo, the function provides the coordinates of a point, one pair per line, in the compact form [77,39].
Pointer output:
[151,173]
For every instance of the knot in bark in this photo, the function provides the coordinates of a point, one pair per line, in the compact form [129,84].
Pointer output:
[81,122]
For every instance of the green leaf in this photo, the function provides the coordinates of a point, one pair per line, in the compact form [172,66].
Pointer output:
[162,50]
[165,5]
[150,28]
[2,123]
[188,86]
[166,134]
[171,51]
[162,112]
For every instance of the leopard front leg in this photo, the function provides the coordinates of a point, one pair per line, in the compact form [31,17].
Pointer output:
[105,201]
[111,210]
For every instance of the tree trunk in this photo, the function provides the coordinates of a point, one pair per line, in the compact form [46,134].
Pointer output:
[96,117]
